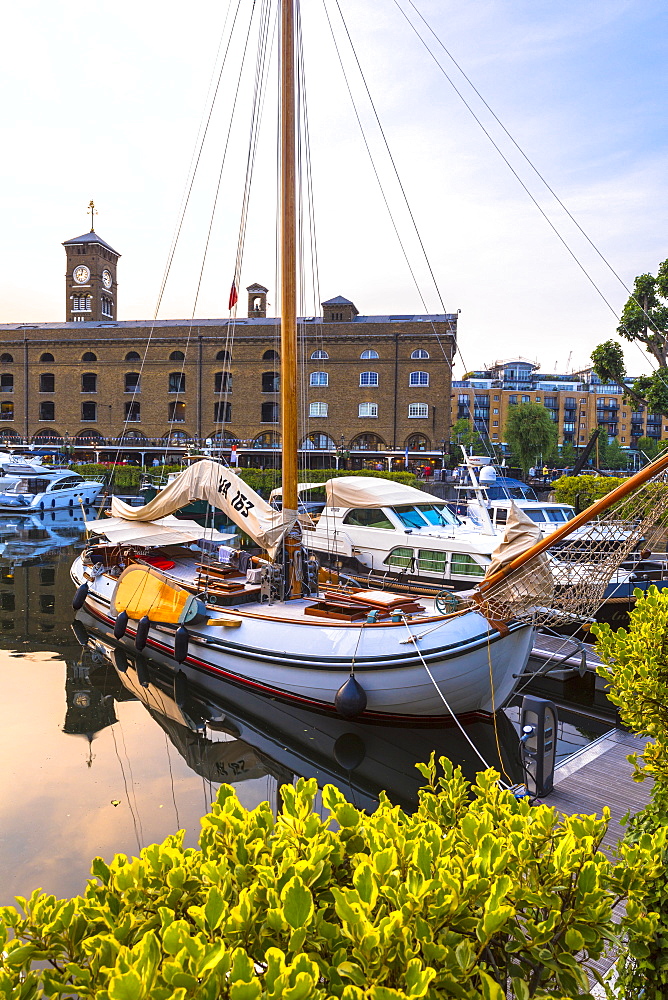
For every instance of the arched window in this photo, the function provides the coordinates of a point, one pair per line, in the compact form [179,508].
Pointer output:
[89,356]
[368,378]
[133,436]
[6,383]
[177,382]
[47,382]
[418,410]
[320,442]
[270,356]
[418,442]
[319,378]
[132,356]
[88,437]
[47,357]
[317,409]
[267,440]
[7,435]
[88,411]
[47,410]
[222,413]
[368,355]
[132,383]
[271,382]
[176,412]
[89,382]
[6,359]
[418,378]
[367,410]
[367,442]
[223,356]
[222,382]
[47,436]
[177,356]
[269,413]
[132,412]
[319,356]
[175,437]
[420,354]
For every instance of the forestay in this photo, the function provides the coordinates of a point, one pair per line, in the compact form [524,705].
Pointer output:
[223,489]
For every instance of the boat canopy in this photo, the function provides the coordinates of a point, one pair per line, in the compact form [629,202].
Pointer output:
[222,488]
[372,491]
[167,531]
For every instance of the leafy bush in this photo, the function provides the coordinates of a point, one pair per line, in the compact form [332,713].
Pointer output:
[635,666]
[584,489]
[475,894]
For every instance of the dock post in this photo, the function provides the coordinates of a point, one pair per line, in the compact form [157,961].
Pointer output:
[538,744]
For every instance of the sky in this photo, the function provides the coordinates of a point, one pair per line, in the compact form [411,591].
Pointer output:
[107,101]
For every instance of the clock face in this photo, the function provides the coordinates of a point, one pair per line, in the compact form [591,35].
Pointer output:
[81,274]
[106,278]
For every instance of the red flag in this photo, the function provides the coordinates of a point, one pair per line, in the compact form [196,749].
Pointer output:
[234,298]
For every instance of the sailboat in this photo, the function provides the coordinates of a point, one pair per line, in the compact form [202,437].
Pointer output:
[260,622]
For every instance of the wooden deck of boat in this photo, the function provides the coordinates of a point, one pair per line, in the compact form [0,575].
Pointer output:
[602,776]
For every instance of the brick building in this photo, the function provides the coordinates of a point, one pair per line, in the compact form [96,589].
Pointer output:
[578,403]
[373,386]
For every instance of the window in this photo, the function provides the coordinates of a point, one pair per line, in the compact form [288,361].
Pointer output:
[526,399]
[317,410]
[6,411]
[418,442]
[368,355]
[6,359]
[496,399]
[432,561]
[368,378]
[107,308]
[132,356]
[89,411]
[6,383]
[271,382]
[495,410]
[82,303]
[132,382]
[419,378]
[47,357]
[463,565]
[176,412]
[367,410]
[222,382]
[222,412]
[623,440]
[369,517]
[320,356]
[177,356]
[89,356]
[268,356]
[319,378]
[177,382]
[269,413]
[47,383]
[132,412]
[418,410]
[89,382]
[223,356]
[318,442]
[512,400]
[420,354]
[400,557]
[495,423]
[47,411]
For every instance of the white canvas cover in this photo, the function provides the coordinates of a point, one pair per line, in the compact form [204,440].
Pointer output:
[222,488]
[372,491]
[534,580]
[166,531]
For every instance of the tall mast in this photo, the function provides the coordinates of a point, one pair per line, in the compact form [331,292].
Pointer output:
[288,269]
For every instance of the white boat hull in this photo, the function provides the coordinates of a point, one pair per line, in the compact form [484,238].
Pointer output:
[279,651]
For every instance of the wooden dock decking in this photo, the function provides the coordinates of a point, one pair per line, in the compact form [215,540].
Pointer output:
[601,776]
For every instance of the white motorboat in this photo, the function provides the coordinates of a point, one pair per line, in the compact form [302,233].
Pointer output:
[42,489]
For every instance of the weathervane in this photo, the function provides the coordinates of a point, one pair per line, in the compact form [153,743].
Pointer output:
[93,211]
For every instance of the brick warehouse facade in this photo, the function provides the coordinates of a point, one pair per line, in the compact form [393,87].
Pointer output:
[373,385]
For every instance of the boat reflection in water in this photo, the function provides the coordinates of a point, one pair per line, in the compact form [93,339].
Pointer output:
[229,734]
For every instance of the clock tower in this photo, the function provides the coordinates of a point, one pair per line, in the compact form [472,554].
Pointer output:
[90,280]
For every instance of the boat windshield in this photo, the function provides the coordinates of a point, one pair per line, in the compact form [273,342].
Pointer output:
[425,515]
[559,514]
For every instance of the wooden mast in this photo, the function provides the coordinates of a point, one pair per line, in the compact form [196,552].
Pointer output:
[659,464]
[288,269]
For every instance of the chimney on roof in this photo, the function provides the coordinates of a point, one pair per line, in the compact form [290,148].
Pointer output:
[338,310]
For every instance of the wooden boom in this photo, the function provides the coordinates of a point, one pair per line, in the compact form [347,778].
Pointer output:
[659,464]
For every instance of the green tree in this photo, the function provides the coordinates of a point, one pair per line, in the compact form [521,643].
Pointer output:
[531,433]
[618,458]
[649,447]
[567,455]
[644,321]
[463,433]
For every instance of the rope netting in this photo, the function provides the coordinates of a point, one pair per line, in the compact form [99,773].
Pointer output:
[568,582]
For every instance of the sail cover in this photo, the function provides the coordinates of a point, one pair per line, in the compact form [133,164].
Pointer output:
[222,488]
[372,491]
[535,584]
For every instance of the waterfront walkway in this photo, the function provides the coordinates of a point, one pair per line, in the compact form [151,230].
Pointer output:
[602,776]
